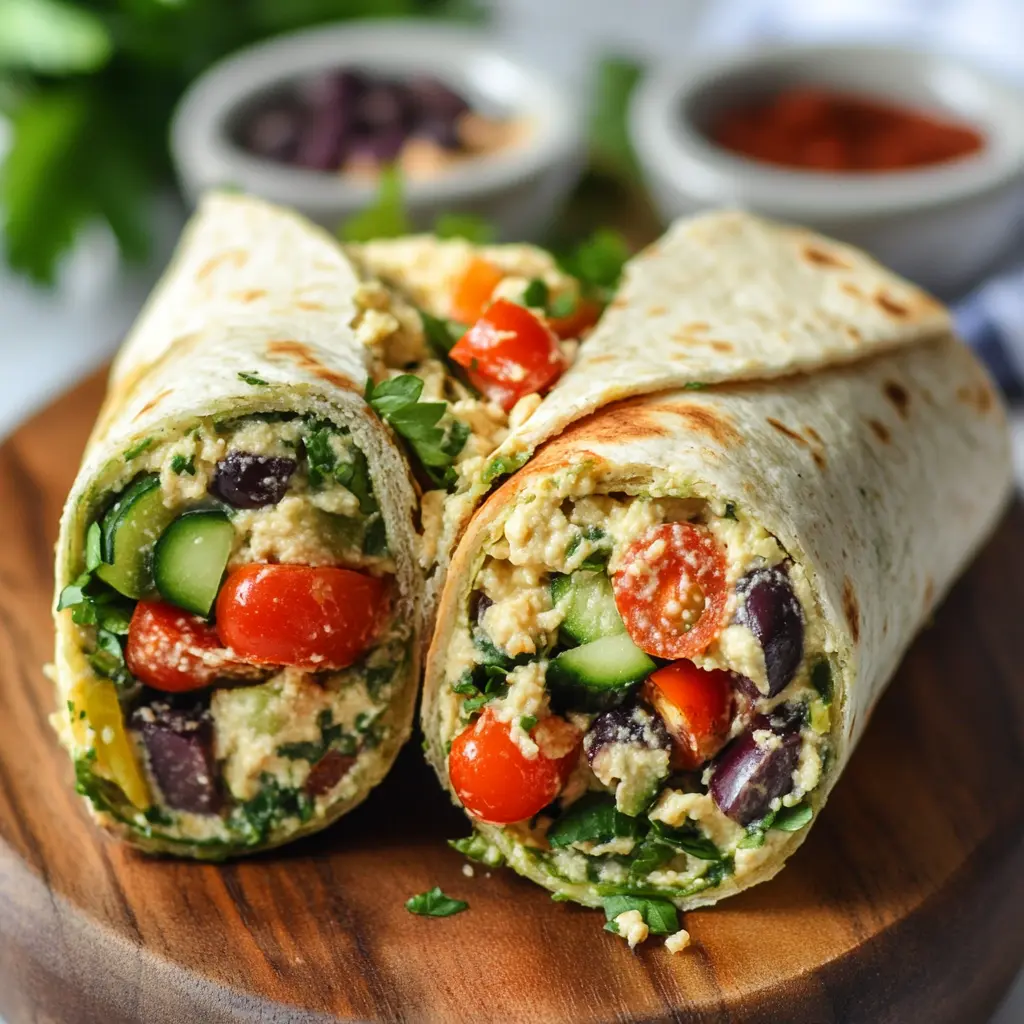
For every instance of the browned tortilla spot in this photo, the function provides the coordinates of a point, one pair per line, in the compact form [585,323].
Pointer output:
[702,419]
[236,256]
[304,358]
[696,327]
[929,593]
[604,357]
[250,295]
[822,258]
[851,609]
[850,288]
[979,397]
[657,311]
[853,333]
[721,346]
[819,459]
[783,429]
[152,404]
[880,430]
[890,305]
[898,395]
[306,304]
[628,420]
[813,435]
[618,303]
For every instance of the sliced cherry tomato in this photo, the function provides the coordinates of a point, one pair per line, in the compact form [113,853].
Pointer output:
[299,615]
[582,318]
[173,650]
[510,352]
[496,782]
[670,590]
[696,707]
[473,291]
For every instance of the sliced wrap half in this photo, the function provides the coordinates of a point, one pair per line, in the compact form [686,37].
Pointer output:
[239,604]
[661,639]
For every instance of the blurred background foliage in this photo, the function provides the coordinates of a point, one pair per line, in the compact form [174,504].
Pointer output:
[88,86]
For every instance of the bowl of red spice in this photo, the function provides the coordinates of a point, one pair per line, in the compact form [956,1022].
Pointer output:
[917,157]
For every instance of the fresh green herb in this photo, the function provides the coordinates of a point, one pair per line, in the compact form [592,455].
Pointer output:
[563,305]
[593,818]
[435,904]
[273,804]
[792,819]
[376,679]
[332,737]
[324,463]
[689,839]
[753,840]
[375,540]
[610,146]
[597,262]
[504,465]
[251,378]
[650,855]
[441,334]
[694,385]
[157,816]
[477,230]
[397,402]
[730,511]
[137,449]
[385,217]
[108,660]
[536,294]
[477,848]
[527,722]
[821,679]
[181,465]
[660,916]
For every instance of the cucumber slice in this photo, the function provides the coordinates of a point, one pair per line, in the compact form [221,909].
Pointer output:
[598,675]
[590,606]
[190,558]
[129,531]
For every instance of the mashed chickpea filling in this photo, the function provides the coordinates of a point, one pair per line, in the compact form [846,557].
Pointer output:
[196,731]
[681,653]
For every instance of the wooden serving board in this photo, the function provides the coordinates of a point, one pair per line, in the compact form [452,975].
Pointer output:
[904,905]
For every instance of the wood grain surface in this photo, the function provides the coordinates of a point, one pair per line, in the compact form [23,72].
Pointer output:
[904,905]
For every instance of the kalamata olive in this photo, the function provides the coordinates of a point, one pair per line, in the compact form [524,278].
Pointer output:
[383,105]
[479,602]
[244,480]
[273,131]
[328,772]
[770,610]
[180,747]
[382,146]
[443,131]
[433,99]
[749,774]
[635,738]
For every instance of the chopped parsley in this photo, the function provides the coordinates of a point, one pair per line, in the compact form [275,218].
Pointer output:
[527,722]
[472,228]
[536,294]
[785,819]
[397,402]
[256,818]
[324,463]
[435,904]
[181,465]
[477,848]
[385,217]
[597,262]
[821,679]
[137,449]
[504,465]
[252,378]
[332,737]
[563,305]
[593,818]
[694,385]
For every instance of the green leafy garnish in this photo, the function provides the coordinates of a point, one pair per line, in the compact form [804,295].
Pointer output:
[137,449]
[93,548]
[660,916]
[397,402]
[535,294]
[593,818]
[792,819]
[527,722]
[504,465]
[332,737]
[324,463]
[597,262]
[181,464]
[596,560]
[385,217]
[563,305]
[441,334]
[252,378]
[609,138]
[477,848]
[273,804]
[435,904]
[689,839]
[477,230]
[821,679]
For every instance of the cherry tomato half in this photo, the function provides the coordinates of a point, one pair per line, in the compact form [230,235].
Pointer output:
[496,782]
[308,617]
[174,651]
[696,707]
[473,290]
[510,349]
[670,590]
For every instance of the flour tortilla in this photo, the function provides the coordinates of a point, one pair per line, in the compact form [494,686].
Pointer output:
[881,477]
[252,290]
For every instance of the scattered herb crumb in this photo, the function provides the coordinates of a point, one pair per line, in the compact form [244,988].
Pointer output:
[137,449]
[251,378]
[435,904]
[180,465]
[694,385]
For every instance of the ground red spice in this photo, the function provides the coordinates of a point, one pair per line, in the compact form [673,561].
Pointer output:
[820,130]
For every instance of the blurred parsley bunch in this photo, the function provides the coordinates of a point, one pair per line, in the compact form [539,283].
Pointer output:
[88,87]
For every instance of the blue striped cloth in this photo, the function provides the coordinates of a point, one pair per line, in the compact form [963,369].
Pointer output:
[991,32]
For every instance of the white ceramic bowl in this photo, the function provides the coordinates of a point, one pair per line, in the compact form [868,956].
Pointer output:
[519,189]
[942,226]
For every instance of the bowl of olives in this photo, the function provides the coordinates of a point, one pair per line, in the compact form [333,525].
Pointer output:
[310,120]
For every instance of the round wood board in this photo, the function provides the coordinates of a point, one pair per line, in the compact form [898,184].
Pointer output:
[904,904]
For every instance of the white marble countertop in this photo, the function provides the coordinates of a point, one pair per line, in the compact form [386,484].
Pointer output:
[50,340]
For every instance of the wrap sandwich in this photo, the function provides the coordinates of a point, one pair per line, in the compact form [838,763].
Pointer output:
[660,640]
[241,578]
